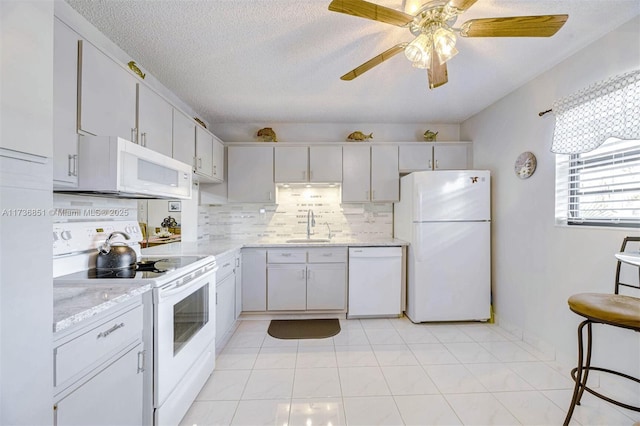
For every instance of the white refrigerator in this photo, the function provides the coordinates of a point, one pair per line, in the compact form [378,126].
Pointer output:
[445,216]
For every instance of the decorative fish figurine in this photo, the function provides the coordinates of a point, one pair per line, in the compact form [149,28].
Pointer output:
[267,134]
[430,136]
[133,67]
[359,136]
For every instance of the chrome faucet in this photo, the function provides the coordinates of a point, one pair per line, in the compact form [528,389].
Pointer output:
[311,221]
[329,236]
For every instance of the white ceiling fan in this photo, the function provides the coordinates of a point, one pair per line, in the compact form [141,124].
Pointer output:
[435,34]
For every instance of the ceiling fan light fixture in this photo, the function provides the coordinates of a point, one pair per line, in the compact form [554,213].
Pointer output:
[444,42]
[419,48]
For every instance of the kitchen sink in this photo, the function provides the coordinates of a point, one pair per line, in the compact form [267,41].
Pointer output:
[309,240]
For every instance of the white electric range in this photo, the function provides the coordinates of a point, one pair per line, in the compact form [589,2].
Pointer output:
[183,306]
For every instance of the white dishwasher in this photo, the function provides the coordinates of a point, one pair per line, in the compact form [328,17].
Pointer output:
[375,279]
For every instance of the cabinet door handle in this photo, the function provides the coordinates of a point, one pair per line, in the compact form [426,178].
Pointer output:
[73,165]
[437,165]
[237,262]
[143,139]
[302,274]
[286,255]
[134,132]
[269,195]
[430,164]
[141,357]
[215,170]
[109,331]
[199,162]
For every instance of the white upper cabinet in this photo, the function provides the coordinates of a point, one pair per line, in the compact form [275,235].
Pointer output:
[204,152]
[155,118]
[218,160]
[356,174]
[291,164]
[325,164]
[65,104]
[209,158]
[370,174]
[250,174]
[415,157]
[385,178]
[107,95]
[184,138]
[296,164]
[434,156]
[451,156]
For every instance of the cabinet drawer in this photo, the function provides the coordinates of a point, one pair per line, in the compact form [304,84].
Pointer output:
[95,345]
[328,255]
[226,265]
[286,256]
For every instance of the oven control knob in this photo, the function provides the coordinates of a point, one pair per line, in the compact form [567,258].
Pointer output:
[65,235]
[131,229]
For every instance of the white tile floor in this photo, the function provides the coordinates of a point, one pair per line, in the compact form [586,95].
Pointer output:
[391,372]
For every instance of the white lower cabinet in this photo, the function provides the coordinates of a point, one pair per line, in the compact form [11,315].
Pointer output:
[254,280]
[226,296]
[303,279]
[111,397]
[100,370]
[286,287]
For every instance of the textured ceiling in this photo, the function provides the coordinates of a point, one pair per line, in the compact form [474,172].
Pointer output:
[280,60]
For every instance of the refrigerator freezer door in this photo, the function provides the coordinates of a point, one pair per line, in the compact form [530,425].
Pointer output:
[449,272]
[452,196]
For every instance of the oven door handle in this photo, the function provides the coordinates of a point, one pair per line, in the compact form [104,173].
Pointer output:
[184,286]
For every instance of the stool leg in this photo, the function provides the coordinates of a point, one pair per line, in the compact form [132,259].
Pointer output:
[587,365]
[578,377]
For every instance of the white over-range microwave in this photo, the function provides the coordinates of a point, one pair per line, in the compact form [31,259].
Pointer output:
[113,166]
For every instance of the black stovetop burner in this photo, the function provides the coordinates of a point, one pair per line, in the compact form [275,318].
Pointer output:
[156,267]
[146,268]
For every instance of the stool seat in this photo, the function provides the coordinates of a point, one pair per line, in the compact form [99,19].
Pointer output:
[613,309]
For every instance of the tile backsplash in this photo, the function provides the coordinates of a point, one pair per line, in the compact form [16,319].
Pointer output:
[288,218]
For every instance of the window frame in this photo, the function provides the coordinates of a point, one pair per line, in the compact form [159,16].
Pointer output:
[568,171]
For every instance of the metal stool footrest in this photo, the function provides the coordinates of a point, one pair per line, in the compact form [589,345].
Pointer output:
[599,395]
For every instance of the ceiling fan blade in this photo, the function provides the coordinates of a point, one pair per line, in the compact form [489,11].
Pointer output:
[364,9]
[461,5]
[377,60]
[515,26]
[437,74]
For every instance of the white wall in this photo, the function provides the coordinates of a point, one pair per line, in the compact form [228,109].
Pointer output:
[537,265]
[26,290]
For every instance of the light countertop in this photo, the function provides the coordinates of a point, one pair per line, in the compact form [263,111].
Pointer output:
[222,247]
[74,303]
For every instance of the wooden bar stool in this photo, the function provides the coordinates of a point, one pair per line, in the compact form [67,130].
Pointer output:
[598,308]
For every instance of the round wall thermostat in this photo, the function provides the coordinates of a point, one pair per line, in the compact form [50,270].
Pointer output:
[525,165]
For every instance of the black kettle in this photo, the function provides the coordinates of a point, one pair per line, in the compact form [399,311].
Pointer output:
[115,255]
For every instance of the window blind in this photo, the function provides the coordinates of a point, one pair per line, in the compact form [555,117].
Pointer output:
[600,187]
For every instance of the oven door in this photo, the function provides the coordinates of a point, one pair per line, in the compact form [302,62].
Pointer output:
[184,329]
